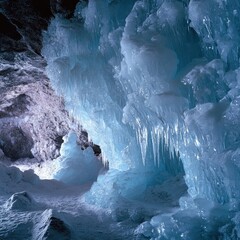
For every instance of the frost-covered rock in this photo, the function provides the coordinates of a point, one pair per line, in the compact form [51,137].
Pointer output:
[51,227]
[35,127]
[22,201]
[33,119]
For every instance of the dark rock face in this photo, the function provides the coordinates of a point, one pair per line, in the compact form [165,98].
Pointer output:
[64,7]
[57,227]
[32,117]
[8,29]
[15,143]
[84,142]
[19,105]
[33,120]
[23,21]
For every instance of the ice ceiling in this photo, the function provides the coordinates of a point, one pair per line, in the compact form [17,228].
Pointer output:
[157,85]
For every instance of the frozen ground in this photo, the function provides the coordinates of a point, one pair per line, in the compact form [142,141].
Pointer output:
[48,209]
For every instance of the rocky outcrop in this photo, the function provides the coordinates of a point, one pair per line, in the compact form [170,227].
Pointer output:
[15,143]
[32,117]
[33,121]
[22,22]
[22,201]
[51,227]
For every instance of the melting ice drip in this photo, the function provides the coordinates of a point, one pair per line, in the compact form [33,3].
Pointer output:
[155,82]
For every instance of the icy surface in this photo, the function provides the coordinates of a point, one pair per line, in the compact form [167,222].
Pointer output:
[23,201]
[53,210]
[76,166]
[156,84]
[51,227]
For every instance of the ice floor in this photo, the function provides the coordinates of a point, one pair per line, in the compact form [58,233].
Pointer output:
[48,209]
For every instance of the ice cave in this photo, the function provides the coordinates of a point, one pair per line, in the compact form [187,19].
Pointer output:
[120,119]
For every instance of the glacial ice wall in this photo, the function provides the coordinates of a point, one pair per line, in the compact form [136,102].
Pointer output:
[156,84]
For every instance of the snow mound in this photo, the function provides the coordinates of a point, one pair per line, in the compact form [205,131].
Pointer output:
[22,201]
[30,177]
[75,165]
[51,227]
[12,177]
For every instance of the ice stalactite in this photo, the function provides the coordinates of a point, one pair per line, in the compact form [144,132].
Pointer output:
[113,75]
[156,84]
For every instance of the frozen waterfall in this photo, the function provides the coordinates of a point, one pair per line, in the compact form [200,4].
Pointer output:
[157,85]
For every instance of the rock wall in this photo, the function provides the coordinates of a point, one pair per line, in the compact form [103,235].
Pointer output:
[32,117]
[33,121]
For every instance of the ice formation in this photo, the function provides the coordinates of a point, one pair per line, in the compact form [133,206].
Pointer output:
[76,166]
[21,201]
[51,227]
[156,84]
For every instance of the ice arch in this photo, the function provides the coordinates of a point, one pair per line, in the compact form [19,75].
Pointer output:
[155,83]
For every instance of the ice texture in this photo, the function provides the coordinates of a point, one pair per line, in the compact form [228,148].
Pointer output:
[76,166]
[156,84]
[21,201]
[50,226]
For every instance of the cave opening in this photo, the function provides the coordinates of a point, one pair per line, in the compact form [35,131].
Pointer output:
[156,86]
